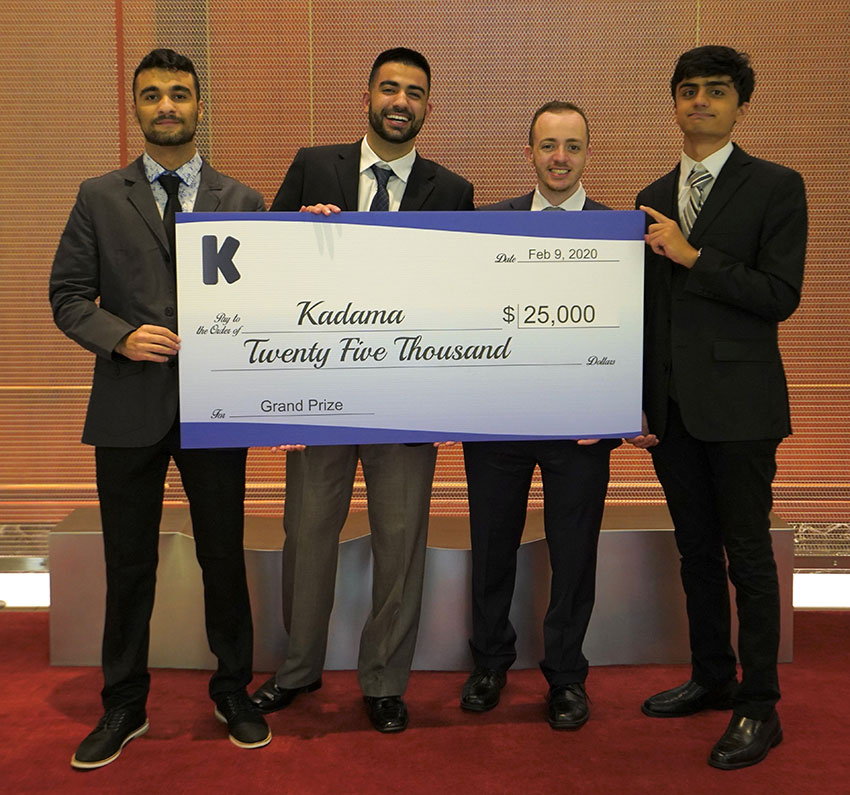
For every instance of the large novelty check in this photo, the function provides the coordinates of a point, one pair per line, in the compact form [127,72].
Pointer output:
[408,327]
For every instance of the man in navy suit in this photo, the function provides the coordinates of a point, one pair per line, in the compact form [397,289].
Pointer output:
[384,172]
[727,241]
[113,290]
[575,480]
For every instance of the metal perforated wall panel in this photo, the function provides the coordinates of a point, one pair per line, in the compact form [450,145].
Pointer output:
[280,75]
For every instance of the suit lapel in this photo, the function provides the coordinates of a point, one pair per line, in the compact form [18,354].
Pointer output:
[523,202]
[209,191]
[347,167]
[667,202]
[670,188]
[419,186]
[139,194]
[733,174]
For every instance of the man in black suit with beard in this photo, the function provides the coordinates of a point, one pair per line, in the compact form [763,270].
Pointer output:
[575,481]
[381,172]
[727,242]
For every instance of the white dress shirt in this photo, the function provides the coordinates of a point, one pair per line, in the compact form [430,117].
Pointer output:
[368,185]
[714,162]
[575,202]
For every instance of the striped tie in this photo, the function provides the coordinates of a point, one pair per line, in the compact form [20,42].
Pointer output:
[698,181]
[381,201]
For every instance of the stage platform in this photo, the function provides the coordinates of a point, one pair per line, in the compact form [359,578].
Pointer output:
[639,615]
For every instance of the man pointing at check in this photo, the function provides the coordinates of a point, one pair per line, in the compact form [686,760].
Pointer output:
[727,239]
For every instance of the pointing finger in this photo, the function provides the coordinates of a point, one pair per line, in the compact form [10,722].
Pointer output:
[654,213]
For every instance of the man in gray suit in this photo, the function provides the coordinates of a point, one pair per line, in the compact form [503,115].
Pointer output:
[113,291]
[575,480]
[381,172]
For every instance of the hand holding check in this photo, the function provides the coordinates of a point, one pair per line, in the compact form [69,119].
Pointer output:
[149,343]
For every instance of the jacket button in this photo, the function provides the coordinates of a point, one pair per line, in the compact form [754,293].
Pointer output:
[169,311]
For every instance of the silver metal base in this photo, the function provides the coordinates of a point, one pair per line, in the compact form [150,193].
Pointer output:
[23,547]
[639,615]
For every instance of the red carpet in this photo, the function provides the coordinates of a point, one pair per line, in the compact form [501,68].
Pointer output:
[323,742]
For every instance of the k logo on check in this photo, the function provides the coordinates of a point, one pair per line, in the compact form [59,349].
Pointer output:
[217,259]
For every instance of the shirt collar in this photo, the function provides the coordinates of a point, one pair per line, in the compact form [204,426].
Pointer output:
[575,202]
[401,167]
[189,172]
[714,162]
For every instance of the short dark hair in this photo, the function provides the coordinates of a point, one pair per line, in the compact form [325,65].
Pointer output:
[556,107]
[714,60]
[169,60]
[401,55]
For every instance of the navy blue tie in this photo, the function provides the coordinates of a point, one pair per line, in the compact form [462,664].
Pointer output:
[381,202]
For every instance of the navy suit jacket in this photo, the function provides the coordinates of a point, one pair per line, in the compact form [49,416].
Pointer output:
[524,203]
[713,328]
[331,175]
[113,273]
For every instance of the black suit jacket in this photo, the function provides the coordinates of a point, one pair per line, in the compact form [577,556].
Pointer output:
[331,174]
[713,328]
[524,203]
[111,274]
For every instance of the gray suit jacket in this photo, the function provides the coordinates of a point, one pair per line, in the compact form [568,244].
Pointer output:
[331,175]
[111,274]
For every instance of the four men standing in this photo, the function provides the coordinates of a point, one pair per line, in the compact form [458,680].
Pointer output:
[718,281]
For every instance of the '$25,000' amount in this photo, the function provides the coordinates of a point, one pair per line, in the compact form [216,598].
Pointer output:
[536,315]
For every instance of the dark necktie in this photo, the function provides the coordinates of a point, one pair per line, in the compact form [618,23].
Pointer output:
[553,207]
[381,202]
[171,184]
[698,181]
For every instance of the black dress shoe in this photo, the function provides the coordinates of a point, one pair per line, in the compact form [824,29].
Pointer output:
[481,691]
[746,742]
[568,706]
[114,730]
[270,698]
[387,713]
[688,699]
